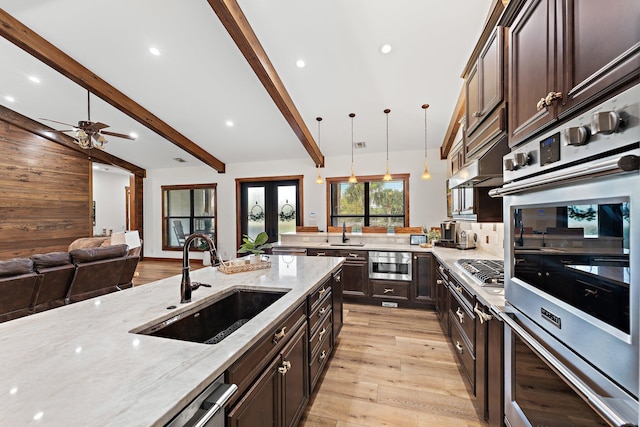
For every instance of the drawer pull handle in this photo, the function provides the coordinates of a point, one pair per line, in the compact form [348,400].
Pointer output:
[322,291]
[590,292]
[459,347]
[484,317]
[322,311]
[459,289]
[323,356]
[279,335]
[338,278]
[439,282]
[321,254]
[353,255]
[460,315]
[389,291]
[321,333]
[441,268]
[286,365]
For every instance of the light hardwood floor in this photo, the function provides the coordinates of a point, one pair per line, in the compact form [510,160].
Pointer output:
[391,367]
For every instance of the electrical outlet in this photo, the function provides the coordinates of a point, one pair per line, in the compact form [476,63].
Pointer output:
[487,239]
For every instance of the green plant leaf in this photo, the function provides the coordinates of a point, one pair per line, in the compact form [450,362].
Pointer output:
[261,238]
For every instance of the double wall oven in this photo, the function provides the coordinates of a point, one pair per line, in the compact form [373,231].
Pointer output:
[572,270]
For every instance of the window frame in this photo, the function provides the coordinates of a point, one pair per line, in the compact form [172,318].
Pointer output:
[192,217]
[367,179]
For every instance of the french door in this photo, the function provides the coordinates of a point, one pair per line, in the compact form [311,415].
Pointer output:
[270,205]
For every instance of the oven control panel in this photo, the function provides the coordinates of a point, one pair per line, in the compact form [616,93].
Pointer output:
[611,125]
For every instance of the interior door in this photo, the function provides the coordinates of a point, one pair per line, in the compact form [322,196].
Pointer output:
[270,206]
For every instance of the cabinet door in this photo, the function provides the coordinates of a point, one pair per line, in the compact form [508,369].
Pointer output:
[473,106]
[531,68]
[355,278]
[295,382]
[600,49]
[491,64]
[423,277]
[261,404]
[338,315]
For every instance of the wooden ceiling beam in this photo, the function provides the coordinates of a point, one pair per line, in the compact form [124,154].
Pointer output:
[32,43]
[16,119]
[238,27]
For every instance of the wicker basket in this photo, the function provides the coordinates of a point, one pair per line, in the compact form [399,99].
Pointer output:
[231,269]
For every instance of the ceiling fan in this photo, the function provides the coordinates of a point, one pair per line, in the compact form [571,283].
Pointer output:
[90,134]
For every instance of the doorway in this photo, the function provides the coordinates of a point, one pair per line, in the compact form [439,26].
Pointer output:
[272,205]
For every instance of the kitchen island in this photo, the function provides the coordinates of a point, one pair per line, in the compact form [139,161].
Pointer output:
[81,365]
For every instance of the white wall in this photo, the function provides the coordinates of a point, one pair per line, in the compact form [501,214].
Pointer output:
[427,199]
[109,195]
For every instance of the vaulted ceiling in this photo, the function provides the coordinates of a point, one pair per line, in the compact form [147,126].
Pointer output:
[240,99]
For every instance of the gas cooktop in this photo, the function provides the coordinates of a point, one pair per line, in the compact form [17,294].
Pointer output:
[485,272]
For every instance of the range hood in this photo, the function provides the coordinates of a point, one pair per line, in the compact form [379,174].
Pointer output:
[485,170]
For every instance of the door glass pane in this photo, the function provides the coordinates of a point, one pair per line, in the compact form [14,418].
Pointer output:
[256,217]
[287,209]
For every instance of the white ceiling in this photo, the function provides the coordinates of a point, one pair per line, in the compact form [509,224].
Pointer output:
[201,80]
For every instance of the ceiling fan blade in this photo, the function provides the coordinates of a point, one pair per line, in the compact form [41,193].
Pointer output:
[119,135]
[55,121]
[98,126]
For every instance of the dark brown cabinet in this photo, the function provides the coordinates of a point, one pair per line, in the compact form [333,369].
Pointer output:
[338,311]
[566,55]
[355,273]
[484,88]
[423,278]
[442,298]
[281,392]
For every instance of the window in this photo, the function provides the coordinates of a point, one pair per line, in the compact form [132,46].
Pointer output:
[188,209]
[371,202]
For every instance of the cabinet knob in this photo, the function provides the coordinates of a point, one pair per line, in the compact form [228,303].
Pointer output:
[338,278]
[322,291]
[460,315]
[322,356]
[439,281]
[459,347]
[459,289]
[321,333]
[477,114]
[322,311]
[280,334]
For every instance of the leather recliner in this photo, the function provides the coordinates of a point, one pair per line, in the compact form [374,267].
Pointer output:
[57,271]
[18,287]
[97,271]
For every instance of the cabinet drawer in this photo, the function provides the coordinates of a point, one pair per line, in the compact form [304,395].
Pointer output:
[321,311]
[321,252]
[244,371]
[465,319]
[362,256]
[322,333]
[390,290]
[463,293]
[319,361]
[318,296]
[465,355]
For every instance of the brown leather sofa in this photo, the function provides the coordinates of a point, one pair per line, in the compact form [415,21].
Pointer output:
[97,272]
[18,286]
[57,271]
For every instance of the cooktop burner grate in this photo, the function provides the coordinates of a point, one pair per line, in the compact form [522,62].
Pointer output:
[485,271]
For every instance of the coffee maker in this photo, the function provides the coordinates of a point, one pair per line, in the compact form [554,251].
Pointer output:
[449,232]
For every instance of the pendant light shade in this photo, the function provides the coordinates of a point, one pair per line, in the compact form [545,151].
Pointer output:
[319,179]
[352,178]
[425,175]
[387,175]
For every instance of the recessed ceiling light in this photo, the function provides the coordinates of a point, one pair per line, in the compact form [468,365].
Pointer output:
[385,48]
[229,123]
[133,135]
[10,98]
[34,79]
[300,63]
[154,51]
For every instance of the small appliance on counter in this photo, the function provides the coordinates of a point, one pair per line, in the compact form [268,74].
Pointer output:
[467,240]
[449,232]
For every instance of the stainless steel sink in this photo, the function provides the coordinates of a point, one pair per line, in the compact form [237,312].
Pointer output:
[211,322]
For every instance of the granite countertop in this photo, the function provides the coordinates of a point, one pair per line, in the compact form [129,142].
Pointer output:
[79,364]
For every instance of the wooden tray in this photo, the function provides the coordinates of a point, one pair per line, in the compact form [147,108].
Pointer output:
[231,269]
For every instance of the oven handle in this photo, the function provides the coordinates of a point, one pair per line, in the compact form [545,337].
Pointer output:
[624,164]
[595,400]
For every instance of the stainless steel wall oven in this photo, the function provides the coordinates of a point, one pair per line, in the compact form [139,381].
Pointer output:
[572,261]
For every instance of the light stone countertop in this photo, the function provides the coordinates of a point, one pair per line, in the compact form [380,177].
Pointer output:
[79,365]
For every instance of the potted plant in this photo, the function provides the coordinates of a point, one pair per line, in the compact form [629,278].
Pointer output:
[255,246]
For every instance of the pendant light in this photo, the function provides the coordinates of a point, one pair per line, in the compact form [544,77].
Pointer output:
[425,175]
[387,175]
[319,179]
[352,178]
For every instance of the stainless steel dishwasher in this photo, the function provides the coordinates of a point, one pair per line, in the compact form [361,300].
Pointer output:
[206,410]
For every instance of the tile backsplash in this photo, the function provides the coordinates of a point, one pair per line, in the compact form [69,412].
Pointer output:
[490,236]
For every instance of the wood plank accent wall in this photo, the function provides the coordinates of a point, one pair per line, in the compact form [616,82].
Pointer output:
[45,194]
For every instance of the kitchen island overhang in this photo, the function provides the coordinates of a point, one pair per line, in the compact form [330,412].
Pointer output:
[81,362]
